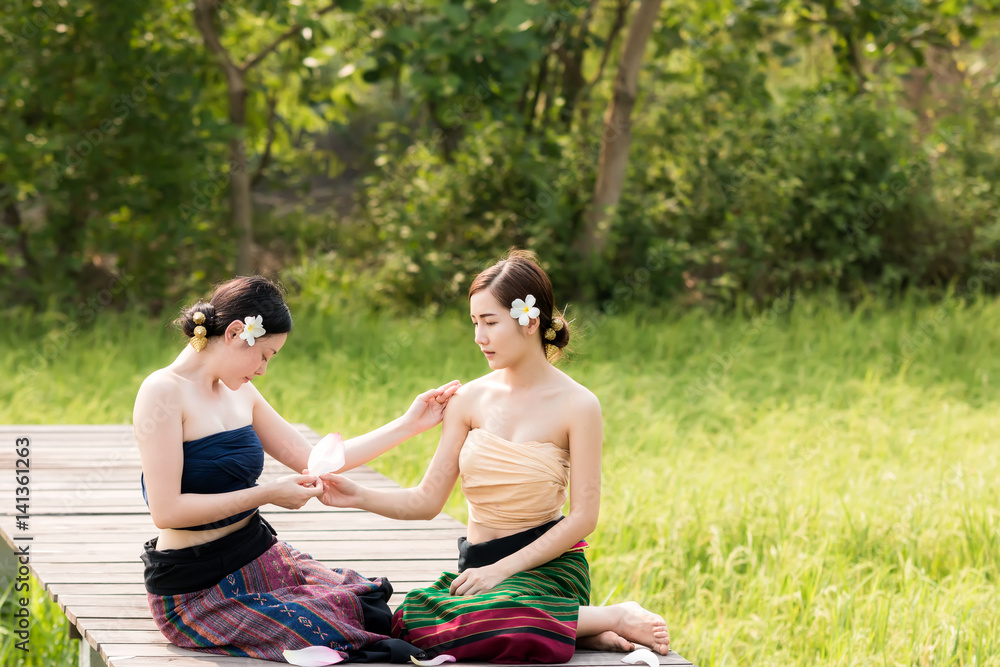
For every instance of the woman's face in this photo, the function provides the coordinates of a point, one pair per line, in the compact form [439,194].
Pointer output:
[247,362]
[499,336]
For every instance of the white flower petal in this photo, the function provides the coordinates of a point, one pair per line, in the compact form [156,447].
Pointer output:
[517,304]
[313,656]
[523,320]
[533,312]
[327,456]
[642,655]
[444,657]
[529,300]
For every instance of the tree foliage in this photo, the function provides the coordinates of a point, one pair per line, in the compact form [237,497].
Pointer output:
[776,145]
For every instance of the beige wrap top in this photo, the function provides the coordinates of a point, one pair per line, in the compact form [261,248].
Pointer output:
[512,486]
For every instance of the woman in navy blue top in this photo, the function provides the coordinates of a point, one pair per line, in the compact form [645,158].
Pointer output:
[218,580]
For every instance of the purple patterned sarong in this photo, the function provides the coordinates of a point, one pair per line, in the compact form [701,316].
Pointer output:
[281,600]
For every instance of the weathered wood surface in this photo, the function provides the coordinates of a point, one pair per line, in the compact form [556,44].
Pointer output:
[87,522]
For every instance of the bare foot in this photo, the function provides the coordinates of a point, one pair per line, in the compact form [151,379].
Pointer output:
[643,627]
[605,641]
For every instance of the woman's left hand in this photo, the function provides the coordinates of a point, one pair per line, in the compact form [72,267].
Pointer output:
[477,580]
[427,409]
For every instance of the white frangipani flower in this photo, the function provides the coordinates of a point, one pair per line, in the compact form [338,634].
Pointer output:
[523,310]
[253,329]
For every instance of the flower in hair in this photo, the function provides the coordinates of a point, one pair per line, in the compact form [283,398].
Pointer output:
[253,329]
[524,310]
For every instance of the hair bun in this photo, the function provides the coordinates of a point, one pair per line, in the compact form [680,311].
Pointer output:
[187,319]
[561,329]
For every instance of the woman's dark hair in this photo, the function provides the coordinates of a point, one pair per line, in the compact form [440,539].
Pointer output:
[237,299]
[516,275]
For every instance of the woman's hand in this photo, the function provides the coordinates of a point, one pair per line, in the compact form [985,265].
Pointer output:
[427,409]
[338,491]
[294,491]
[477,580]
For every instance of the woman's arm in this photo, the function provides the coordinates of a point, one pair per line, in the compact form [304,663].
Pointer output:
[423,501]
[287,444]
[159,434]
[426,411]
[281,441]
[586,435]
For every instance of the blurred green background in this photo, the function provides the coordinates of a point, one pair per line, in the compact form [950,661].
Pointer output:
[787,310]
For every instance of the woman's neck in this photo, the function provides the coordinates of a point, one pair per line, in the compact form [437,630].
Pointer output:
[528,372]
[197,369]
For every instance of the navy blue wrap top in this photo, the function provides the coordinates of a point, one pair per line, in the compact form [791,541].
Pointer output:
[219,463]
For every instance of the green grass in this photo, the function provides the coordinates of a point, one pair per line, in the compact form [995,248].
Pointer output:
[801,488]
[48,642]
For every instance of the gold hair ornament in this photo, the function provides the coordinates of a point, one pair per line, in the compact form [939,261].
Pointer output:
[556,325]
[200,340]
[550,351]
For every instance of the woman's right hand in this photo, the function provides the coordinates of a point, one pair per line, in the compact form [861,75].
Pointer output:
[294,491]
[338,491]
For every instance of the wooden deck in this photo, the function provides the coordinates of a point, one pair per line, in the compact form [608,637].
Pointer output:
[86,523]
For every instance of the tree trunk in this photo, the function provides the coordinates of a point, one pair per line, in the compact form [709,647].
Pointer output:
[571,54]
[12,219]
[617,132]
[240,201]
[241,204]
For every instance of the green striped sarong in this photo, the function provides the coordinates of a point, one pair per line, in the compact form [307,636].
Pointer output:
[529,617]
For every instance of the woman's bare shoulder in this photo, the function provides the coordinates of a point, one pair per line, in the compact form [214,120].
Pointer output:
[160,391]
[577,395]
[476,388]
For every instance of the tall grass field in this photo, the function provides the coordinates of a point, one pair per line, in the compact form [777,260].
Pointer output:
[810,485]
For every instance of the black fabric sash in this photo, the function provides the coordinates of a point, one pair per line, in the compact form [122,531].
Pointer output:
[486,553]
[179,571]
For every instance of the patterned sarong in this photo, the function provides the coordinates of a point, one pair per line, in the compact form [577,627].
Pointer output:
[282,600]
[529,618]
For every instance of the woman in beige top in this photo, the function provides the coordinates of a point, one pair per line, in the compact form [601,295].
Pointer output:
[522,589]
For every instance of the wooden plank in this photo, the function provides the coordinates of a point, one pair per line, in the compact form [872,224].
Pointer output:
[583,658]
[90,525]
[402,583]
[155,639]
[139,537]
[418,550]
[133,575]
[89,522]
[89,624]
[133,602]
[185,659]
